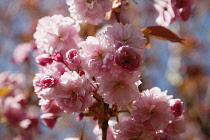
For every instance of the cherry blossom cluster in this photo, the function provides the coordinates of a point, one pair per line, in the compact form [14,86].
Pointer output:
[154,115]
[100,75]
[21,117]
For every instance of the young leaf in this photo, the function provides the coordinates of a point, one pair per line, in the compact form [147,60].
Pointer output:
[161,33]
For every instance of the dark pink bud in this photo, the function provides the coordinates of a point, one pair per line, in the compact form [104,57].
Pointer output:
[71,54]
[48,82]
[73,58]
[49,119]
[44,59]
[177,107]
[57,57]
[80,72]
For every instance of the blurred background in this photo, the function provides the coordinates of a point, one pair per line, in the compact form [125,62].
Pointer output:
[181,69]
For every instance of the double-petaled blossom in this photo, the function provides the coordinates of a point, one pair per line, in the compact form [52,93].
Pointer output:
[56,34]
[120,35]
[74,93]
[130,130]
[121,88]
[47,79]
[152,108]
[91,11]
[97,55]
[172,130]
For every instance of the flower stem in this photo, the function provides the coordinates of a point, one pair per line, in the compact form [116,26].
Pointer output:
[105,123]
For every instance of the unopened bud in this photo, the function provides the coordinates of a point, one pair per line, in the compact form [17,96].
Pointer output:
[57,57]
[44,59]
[49,120]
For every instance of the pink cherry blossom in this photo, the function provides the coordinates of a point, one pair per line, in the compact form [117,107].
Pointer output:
[173,130]
[171,10]
[128,58]
[12,110]
[91,11]
[129,130]
[120,35]
[120,89]
[176,126]
[21,52]
[166,13]
[74,93]
[56,34]
[152,107]
[96,55]
[47,79]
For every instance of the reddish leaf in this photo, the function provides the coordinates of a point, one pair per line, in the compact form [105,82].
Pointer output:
[161,33]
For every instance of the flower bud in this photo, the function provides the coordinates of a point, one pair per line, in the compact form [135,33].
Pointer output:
[80,72]
[73,58]
[57,57]
[177,107]
[44,59]
[49,119]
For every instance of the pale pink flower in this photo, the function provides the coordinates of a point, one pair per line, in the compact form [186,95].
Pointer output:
[128,58]
[152,107]
[173,130]
[166,13]
[129,130]
[12,110]
[120,89]
[96,55]
[22,52]
[176,126]
[56,34]
[47,79]
[171,10]
[91,11]
[120,35]
[74,93]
